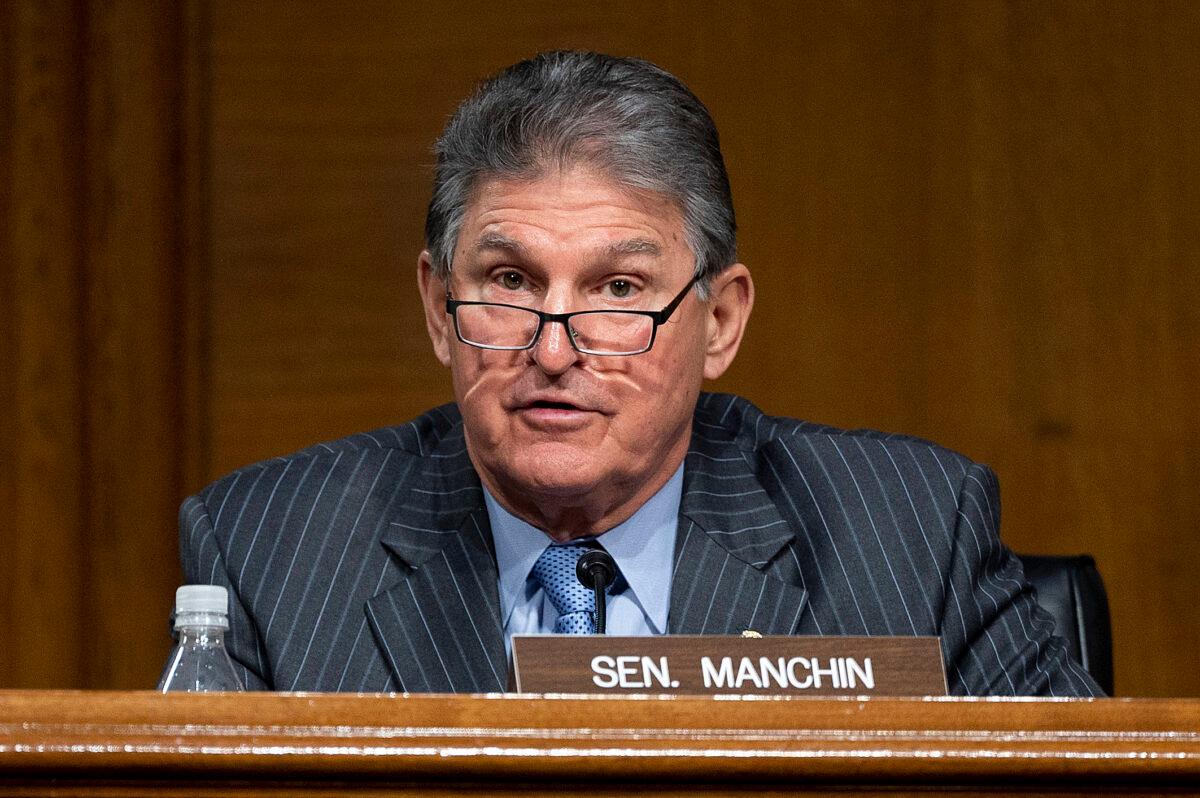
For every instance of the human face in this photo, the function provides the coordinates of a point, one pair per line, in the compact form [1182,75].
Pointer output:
[557,436]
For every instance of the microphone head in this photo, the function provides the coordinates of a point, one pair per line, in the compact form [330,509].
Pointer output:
[596,566]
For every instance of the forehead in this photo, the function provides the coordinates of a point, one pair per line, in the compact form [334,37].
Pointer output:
[576,209]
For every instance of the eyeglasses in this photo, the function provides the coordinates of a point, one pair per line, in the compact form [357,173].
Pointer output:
[492,325]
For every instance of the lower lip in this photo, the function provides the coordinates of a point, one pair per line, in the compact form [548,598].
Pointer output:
[555,418]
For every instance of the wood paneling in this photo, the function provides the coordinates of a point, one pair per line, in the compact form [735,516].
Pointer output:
[973,223]
[93,293]
[41,436]
[1073,212]
[135,451]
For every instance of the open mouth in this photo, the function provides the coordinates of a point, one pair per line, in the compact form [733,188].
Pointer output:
[555,417]
[542,405]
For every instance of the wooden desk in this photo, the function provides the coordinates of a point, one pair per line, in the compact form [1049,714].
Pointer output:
[141,744]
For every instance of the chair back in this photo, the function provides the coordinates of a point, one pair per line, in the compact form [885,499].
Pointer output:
[1071,590]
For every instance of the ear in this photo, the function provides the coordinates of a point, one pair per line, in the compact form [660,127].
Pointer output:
[433,297]
[730,301]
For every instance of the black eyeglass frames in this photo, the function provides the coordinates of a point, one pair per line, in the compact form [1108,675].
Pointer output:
[493,325]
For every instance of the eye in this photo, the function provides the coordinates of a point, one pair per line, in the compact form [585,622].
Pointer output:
[513,281]
[620,289]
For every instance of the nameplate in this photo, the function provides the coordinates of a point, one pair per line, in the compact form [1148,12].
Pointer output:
[704,664]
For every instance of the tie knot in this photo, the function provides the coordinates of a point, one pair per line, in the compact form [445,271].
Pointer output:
[555,572]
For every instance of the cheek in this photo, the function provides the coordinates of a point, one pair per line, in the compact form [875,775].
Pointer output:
[679,363]
[480,377]
[662,389]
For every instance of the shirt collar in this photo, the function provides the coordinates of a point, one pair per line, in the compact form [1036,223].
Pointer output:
[642,546]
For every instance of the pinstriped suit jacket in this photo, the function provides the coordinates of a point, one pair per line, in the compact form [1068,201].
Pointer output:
[367,564]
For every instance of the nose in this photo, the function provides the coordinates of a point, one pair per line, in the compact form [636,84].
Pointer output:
[553,352]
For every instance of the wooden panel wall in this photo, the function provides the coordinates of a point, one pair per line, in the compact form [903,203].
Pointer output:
[971,222]
[92,449]
[41,310]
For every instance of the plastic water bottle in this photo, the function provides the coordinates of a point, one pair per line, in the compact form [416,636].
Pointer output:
[200,662]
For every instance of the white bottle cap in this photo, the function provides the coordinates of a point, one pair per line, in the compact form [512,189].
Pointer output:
[202,598]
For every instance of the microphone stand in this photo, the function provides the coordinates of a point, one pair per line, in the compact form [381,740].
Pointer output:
[597,570]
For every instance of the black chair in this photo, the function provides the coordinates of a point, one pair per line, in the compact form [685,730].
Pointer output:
[1071,590]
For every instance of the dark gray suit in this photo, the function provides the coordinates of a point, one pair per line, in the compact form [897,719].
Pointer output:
[367,564]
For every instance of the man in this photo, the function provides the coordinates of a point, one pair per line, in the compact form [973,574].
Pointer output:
[580,280]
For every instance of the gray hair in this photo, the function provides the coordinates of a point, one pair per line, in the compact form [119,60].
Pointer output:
[634,121]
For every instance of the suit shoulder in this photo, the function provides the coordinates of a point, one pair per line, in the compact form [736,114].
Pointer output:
[416,438]
[739,420]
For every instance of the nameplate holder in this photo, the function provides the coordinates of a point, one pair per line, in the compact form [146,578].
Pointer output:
[729,665]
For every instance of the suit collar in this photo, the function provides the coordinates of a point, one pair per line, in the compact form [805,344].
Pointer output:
[438,620]
[730,531]
[722,494]
[442,490]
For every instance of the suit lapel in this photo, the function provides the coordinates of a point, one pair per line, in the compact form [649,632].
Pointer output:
[437,620]
[730,531]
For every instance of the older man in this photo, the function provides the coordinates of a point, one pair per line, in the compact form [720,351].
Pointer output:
[580,281]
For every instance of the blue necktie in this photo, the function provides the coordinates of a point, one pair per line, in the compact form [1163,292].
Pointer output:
[555,572]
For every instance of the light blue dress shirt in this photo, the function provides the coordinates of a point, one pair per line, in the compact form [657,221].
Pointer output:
[643,548]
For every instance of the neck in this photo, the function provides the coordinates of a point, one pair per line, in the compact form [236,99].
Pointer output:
[586,514]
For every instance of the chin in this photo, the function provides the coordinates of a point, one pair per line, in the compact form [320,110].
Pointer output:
[557,469]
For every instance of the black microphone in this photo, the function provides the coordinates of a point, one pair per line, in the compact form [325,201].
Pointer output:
[596,570]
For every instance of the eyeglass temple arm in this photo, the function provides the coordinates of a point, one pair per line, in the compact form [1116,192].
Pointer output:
[664,314]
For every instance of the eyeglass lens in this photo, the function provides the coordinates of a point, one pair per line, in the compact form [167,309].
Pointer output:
[513,327]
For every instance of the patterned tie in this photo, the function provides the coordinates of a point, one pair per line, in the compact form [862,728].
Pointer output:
[555,572]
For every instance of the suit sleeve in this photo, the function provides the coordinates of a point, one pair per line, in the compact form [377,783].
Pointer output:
[203,564]
[996,639]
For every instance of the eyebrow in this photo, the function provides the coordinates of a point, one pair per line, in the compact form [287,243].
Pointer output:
[490,241]
[618,249]
[634,246]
